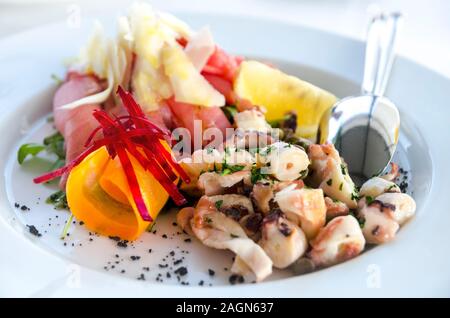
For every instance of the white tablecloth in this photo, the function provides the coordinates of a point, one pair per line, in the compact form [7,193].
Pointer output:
[425,36]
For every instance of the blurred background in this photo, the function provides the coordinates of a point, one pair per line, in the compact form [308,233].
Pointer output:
[425,36]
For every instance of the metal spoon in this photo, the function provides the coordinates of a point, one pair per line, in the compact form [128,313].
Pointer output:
[364,129]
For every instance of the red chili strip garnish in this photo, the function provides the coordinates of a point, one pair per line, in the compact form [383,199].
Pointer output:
[134,135]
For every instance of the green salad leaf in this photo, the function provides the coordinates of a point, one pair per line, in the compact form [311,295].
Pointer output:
[28,149]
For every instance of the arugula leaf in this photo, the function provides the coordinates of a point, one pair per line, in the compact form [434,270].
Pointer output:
[59,163]
[58,80]
[28,149]
[59,200]
[55,144]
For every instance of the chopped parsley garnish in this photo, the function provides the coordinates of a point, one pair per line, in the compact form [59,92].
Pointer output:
[360,220]
[330,182]
[209,150]
[355,196]
[207,219]
[340,186]
[233,235]
[343,169]
[227,169]
[304,173]
[392,186]
[219,204]
[256,175]
[369,199]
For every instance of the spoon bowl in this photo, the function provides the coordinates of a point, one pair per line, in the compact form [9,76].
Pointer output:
[365,128]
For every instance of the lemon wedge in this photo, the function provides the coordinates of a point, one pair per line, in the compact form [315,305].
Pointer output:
[280,93]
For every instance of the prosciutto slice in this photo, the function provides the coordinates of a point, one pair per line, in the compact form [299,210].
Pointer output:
[75,124]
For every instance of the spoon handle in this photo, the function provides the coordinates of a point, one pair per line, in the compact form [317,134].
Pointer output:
[380,51]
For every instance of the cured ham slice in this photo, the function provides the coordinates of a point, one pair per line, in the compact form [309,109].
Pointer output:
[75,124]
[184,115]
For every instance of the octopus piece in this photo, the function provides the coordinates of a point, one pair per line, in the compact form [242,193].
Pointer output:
[405,206]
[284,161]
[201,160]
[335,208]
[237,156]
[252,120]
[330,173]
[341,239]
[299,184]
[212,183]
[305,207]
[251,223]
[216,230]
[380,225]
[282,240]
[184,217]
[376,186]
[242,139]
[234,206]
[261,196]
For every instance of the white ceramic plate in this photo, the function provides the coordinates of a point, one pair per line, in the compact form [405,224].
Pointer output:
[415,264]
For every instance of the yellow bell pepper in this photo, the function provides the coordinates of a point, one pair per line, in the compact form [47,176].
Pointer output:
[99,195]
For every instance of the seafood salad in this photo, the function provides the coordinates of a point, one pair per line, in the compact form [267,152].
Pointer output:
[161,115]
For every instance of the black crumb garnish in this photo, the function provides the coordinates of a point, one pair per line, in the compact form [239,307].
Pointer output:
[211,272]
[122,271]
[181,271]
[16,205]
[122,244]
[147,269]
[33,230]
[236,279]
[174,224]
[81,223]
[141,277]
[200,283]
[117,255]
[168,275]
[114,238]
[163,265]
[172,253]
[164,236]
[91,239]
[24,208]
[135,257]
[188,240]
[150,250]
[178,261]
[225,269]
